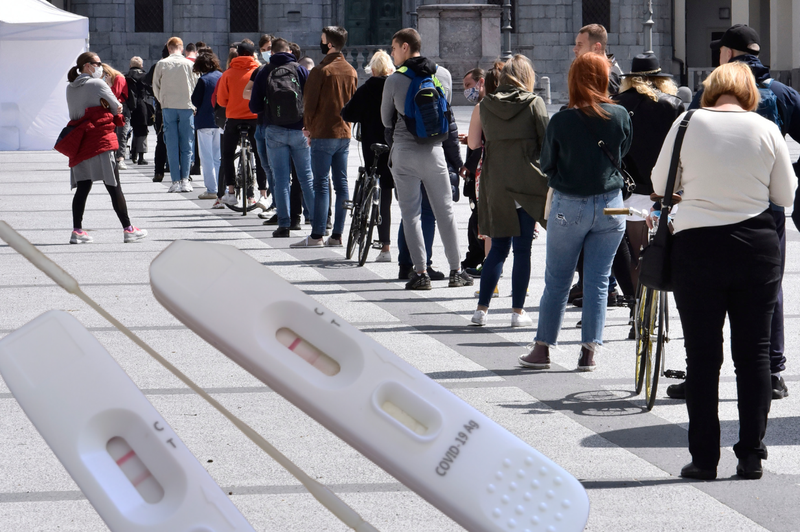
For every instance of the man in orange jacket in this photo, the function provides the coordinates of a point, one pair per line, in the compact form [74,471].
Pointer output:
[237,112]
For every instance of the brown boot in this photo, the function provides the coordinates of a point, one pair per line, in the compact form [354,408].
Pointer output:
[538,358]
[586,360]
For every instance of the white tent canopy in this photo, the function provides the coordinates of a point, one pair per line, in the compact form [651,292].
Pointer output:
[38,45]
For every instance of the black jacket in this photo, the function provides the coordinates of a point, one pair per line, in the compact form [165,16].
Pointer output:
[651,122]
[365,108]
[139,92]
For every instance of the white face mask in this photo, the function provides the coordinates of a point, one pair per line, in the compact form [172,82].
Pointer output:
[266,55]
[472,94]
[97,72]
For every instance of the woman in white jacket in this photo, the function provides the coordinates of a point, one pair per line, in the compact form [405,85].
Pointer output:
[726,259]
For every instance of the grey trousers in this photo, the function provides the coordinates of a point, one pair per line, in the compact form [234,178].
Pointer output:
[412,164]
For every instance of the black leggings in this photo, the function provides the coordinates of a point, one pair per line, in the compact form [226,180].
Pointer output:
[117,201]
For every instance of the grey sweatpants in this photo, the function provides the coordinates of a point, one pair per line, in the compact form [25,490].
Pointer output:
[412,164]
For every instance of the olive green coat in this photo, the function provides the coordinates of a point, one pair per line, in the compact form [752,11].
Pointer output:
[514,122]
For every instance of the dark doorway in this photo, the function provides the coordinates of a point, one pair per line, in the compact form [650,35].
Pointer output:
[372,22]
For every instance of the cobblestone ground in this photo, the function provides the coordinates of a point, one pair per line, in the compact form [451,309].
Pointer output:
[592,424]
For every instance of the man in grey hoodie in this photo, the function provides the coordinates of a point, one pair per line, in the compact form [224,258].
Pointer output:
[413,163]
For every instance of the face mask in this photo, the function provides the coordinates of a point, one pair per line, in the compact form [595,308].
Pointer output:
[473,95]
[97,73]
[323,47]
[266,55]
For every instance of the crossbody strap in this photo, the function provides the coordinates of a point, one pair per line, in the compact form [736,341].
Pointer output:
[676,157]
[600,141]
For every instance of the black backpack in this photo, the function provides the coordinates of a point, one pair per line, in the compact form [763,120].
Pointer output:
[284,99]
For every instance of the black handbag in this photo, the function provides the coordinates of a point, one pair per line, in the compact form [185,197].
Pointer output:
[630,184]
[655,266]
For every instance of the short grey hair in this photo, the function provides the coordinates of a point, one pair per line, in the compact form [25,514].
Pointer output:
[136,62]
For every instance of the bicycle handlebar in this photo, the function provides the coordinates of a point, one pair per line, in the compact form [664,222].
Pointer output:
[625,211]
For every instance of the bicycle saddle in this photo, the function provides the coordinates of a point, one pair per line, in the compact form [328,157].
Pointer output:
[379,148]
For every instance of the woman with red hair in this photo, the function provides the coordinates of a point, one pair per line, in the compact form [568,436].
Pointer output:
[579,145]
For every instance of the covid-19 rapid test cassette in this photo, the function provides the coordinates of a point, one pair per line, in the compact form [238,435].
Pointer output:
[461,461]
[126,459]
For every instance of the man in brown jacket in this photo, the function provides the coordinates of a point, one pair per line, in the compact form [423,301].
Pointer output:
[329,86]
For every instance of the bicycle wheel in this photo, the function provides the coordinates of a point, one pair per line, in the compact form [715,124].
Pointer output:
[652,361]
[355,215]
[374,213]
[641,346]
[240,182]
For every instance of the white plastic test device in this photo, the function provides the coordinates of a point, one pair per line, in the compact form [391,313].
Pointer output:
[462,462]
[126,459]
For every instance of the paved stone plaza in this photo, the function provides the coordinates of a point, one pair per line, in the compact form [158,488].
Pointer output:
[590,423]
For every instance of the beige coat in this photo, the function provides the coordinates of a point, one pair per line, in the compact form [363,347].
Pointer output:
[174,82]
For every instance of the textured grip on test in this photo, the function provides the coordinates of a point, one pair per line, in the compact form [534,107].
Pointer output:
[29,251]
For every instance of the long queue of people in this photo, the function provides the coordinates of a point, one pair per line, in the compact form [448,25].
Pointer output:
[523,169]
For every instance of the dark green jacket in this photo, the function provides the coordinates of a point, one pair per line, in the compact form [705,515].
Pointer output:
[571,157]
[514,122]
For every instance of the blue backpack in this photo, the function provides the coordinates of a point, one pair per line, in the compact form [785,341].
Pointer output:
[426,112]
[768,106]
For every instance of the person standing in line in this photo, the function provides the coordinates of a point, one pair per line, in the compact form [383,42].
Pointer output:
[119,87]
[584,182]
[415,163]
[191,52]
[286,143]
[173,84]
[139,114]
[513,190]
[329,86]
[593,38]
[365,108]
[208,134]
[160,163]
[94,111]
[474,92]
[230,94]
[726,259]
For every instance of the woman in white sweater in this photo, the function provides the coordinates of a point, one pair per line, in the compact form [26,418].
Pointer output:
[726,259]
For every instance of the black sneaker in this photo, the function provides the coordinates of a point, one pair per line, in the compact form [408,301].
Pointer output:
[272,220]
[295,226]
[405,272]
[158,178]
[575,291]
[281,232]
[474,272]
[461,278]
[779,389]
[419,281]
[434,275]
[142,162]
[677,391]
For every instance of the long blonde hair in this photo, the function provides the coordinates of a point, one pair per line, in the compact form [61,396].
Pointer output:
[112,74]
[649,86]
[518,71]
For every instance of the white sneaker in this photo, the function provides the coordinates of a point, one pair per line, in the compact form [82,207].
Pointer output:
[333,242]
[384,256]
[185,186]
[308,242]
[229,199]
[521,320]
[207,195]
[175,187]
[218,205]
[479,318]
[262,203]
[80,238]
[134,234]
[121,165]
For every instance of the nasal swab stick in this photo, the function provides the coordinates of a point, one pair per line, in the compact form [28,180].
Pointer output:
[325,496]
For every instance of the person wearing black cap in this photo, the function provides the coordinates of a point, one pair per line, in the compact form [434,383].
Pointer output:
[741,43]
[649,96]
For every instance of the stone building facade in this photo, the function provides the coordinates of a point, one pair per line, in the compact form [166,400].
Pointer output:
[544,30]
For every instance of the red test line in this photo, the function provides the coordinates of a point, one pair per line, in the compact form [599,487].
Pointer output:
[126,458]
[295,344]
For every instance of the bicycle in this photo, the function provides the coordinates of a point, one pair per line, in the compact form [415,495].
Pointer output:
[245,164]
[365,207]
[651,324]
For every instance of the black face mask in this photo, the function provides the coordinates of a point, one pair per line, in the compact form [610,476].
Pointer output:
[323,47]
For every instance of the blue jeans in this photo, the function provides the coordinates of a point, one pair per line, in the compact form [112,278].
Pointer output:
[577,222]
[208,144]
[285,146]
[179,137]
[261,149]
[428,222]
[521,274]
[329,158]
